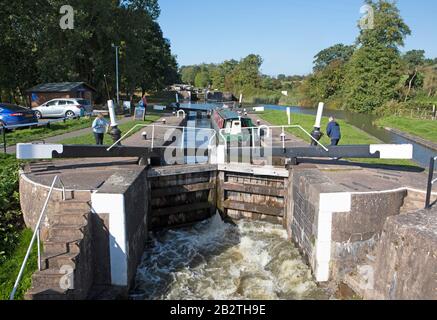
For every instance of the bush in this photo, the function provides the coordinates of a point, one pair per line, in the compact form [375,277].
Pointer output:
[11,221]
[260,96]
[415,108]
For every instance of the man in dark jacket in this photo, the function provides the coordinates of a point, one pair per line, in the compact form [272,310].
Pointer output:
[333,131]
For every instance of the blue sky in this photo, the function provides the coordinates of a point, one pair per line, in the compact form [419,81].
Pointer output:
[286,33]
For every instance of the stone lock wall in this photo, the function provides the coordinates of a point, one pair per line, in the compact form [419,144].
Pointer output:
[405,267]
[356,233]
[335,229]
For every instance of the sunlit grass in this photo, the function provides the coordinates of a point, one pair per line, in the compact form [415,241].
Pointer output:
[41,133]
[426,129]
[10,268]
[88,139]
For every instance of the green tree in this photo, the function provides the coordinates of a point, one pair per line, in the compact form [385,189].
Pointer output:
[222,75]
[374,71]
[35,49]
[414,61]
[188,74]
[371,78]
[202,79]
[247,74]
[430,80]
[389,28]
[338,52]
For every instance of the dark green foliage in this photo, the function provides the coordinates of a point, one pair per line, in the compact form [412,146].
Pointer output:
[242,76]
[339,52]
[389,28]
[371,78]
[36,50]
[9,269]
[11,221]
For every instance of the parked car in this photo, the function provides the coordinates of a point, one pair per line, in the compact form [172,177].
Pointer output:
[11,114]
[68,108]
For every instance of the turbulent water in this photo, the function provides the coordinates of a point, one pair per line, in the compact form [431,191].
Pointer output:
[215,260]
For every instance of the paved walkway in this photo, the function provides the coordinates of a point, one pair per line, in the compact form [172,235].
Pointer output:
[137,140]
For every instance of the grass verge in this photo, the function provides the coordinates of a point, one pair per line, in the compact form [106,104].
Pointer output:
[41,133]
[10,268]
[88,139]
[14,238]
[426,129]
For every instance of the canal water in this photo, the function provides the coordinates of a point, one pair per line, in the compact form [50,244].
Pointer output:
[217,260]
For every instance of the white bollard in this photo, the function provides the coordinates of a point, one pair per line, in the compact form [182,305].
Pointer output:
[319,116]
[111,108]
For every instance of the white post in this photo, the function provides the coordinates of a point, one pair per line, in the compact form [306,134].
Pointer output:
[318,123]
[283,137]
[177,97]
[153,136]
[39,248]
[241,98]
[183,138]
[289,115]
[111,109]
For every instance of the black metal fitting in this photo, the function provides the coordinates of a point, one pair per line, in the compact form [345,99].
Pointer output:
[317,135]
[115,133]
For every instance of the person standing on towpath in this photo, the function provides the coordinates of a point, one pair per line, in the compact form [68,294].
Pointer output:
[100,125]
[334,132]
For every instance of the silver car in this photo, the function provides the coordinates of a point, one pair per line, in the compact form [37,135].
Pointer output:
[64,108]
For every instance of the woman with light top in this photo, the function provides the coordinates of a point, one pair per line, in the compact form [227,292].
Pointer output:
[100,126]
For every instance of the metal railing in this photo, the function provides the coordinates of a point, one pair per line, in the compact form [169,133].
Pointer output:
[153,138]
[270,132]
[431,182]
[36,236]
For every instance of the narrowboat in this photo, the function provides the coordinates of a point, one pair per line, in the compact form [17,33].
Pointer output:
[232,125]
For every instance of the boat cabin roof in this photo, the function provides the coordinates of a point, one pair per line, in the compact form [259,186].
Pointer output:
[229,115]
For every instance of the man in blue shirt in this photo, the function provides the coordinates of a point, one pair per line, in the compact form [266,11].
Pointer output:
[100,126]
[333,131]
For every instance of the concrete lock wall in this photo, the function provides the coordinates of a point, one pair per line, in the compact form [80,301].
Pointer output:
[122,206]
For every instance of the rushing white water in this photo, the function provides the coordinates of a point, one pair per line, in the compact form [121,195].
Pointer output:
[216,260]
